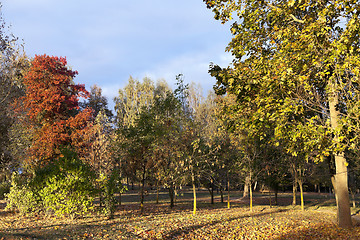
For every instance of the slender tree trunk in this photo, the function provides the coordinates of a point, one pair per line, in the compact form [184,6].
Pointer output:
[250,192]
[142,190]
[211,190]
[121,180]
[228,190]
[353,198]
[171,195]
[276,196]
[295,181]
[301,194]
[221,194]
[341,176]
[294,193]
[246,187]
[194,191]
[175,194]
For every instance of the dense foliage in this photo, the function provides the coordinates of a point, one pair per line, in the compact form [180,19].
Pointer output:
[296,75]
[50,104]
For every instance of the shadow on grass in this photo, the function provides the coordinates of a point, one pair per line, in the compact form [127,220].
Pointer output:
[321,231]
[86,230]
[183,231]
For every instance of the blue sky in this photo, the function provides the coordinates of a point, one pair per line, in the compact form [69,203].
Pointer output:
[107,41]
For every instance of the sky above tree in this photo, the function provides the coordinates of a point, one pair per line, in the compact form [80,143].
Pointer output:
[110,40]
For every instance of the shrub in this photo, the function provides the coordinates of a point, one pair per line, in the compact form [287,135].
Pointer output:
[109,185]
[65,186]
[20,197]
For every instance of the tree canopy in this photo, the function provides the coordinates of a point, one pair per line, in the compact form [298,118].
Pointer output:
[297,58]
[50,102]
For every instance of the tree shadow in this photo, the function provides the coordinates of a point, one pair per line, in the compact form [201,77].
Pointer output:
[321,231]
[183,231]
[68,231]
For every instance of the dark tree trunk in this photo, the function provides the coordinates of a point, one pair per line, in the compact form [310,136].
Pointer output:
[142,190]
[221,194]
[211,191]
[171,195]
[228,189]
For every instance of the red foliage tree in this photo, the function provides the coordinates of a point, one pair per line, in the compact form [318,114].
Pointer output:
[51,106]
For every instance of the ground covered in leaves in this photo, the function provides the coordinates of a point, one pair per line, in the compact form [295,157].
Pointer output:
[160,222]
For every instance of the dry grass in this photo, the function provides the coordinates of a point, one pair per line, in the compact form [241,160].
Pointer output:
[211,221]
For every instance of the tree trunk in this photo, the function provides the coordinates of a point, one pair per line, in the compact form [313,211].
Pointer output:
[353,198]
[194,192]
[246,186]
[250,192]
[228,190]
[175,194]
[251,198]
[211,190]
[221,194]
[301,194]
[342,192]
[171,195]
[142,191]
[276,196]
[294,193]
[295,181]
[157,194]
[341,176]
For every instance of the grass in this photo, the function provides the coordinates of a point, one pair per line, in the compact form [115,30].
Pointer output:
[211,221]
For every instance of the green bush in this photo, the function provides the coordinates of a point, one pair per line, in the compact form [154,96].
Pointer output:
[20,197]
[67,195]
[109,185]
[66,186]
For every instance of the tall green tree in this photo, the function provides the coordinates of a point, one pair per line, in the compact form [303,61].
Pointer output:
[138,149]
[168,147]
[132,99]
[134,133]
[293,56]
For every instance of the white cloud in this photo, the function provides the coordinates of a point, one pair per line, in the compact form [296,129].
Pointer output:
[106,41]
[194,66]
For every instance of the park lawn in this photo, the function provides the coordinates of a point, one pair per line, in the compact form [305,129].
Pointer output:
[210,222]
